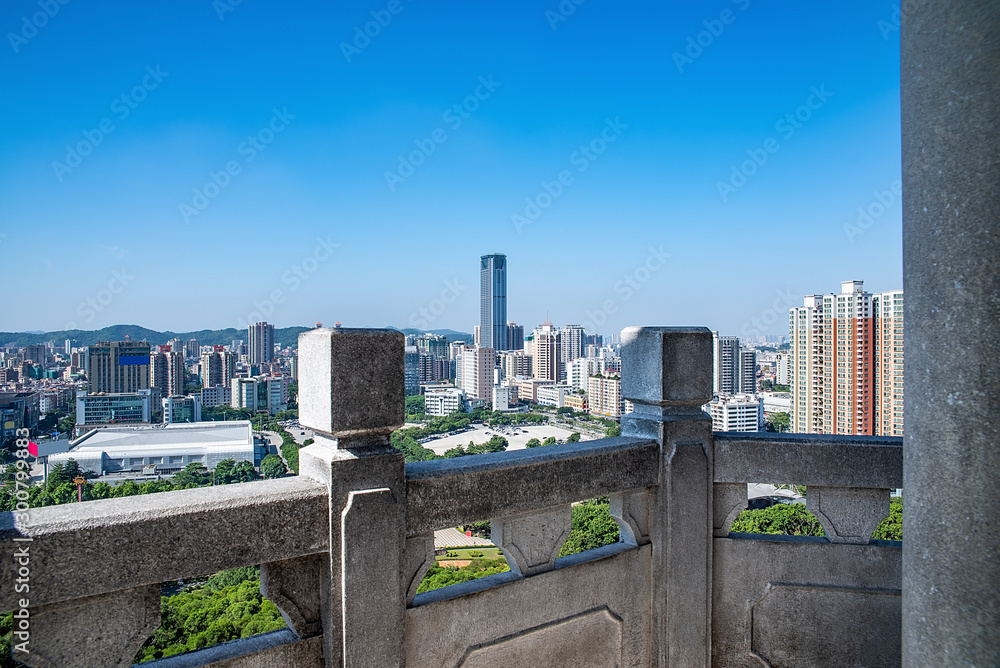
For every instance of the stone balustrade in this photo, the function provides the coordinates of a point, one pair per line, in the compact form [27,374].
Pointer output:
[344,545]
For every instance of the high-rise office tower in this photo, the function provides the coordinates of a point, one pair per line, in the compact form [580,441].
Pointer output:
[515,336]
[166,373]
[846,351]
[748,371]
[118,366]
[192,349]
[176,345]
[546,352]
[260,342]
[493,301]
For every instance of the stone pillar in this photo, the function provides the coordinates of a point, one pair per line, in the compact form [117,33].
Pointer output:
[950,98]
[667,375]
[351,393]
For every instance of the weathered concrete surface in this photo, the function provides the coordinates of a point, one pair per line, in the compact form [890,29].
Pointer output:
[348,381]
[83,549]
[448,492]
[801,601]
[809,459]
[528,614]
[950,98]
[848,514]
[671,372]
[105,630]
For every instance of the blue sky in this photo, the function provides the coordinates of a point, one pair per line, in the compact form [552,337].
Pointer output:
[189,165]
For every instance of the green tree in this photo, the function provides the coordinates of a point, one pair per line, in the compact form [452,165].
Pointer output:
[551,440]
[415,405]
[789,519]
[574,437]
[891,528]
[613,430]
[272,466]
[192,475]
[592,527]
[780,421]
[438,576]
[533,443]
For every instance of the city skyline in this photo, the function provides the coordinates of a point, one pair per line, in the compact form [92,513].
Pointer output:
[683,142]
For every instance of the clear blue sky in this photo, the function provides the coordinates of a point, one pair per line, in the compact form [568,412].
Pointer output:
[68,222]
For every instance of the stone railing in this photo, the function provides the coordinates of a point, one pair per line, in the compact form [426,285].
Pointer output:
[344,545]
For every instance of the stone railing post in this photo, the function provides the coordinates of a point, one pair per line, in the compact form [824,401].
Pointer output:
[667,375]
[949,99]
[351,394]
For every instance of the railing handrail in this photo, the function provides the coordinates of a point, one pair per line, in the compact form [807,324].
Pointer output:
[449,492]
[809,459]
[113,544]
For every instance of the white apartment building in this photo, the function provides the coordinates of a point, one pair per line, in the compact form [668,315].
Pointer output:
[604,396]
[738,412]
[505,397]
[805,373]
[179,409]
[477,366]
[215,396]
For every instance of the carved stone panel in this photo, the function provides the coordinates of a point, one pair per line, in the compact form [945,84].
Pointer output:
[417,560]
[631,511]
[729,500]
[813,625]
[532,541]
[103,630]
[295,585]
[590,640]
[848,514]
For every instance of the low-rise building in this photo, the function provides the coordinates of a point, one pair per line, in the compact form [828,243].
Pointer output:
[167,448]
[577,402]
[737,412]
[442,402]
[527,388]
[214,396]
[554,395]
[179,409]
[103,408]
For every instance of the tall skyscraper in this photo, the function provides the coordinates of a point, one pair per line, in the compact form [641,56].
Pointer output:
[260,342]
[192,349]
[477,371]
[493,301]
[118,366]
[727,364]
[844,360]
[166,372]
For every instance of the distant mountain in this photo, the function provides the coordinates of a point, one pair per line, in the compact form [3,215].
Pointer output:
[286,336]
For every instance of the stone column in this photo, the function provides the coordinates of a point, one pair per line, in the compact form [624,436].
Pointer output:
[950,95]
[667,375]
[351,393]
